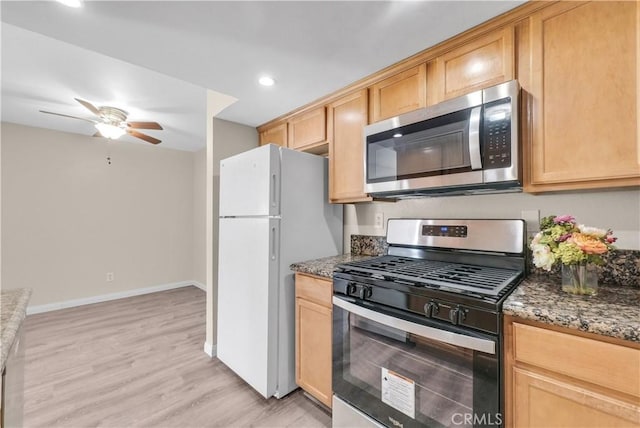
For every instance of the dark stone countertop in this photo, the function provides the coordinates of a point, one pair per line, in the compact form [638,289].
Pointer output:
[613,312]
[326,265]
[13,309]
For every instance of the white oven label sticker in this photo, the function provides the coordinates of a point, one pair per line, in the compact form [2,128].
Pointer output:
[399,392]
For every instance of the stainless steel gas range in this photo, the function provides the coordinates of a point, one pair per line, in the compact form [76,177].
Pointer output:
[417,332]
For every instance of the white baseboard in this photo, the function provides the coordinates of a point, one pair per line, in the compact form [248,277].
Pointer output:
[200,285]
[111,296]
[210,349]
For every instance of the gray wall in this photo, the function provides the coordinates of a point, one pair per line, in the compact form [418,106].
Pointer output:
[615,209]
[69,217]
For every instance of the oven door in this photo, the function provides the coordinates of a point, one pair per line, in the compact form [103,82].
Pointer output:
[405,372]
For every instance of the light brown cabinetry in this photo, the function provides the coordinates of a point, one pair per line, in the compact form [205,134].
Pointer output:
[398,94]
[347,117]
[313,336]
[556,378]
[276,134]
[308,131]
[479,63]
[578,63]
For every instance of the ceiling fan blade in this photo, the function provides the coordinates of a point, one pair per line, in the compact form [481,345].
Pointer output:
[144,125]
[66,115]
[89,106]
[142,136]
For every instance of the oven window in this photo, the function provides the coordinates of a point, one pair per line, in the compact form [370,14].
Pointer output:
[394,375]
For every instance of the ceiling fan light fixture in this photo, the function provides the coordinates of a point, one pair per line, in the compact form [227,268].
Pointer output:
[266,81]
[109,131]
[71,3]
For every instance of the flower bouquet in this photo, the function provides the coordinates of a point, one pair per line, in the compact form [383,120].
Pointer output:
[578,247]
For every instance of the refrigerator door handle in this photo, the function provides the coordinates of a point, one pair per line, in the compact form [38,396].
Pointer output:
[274,197]
[273,243]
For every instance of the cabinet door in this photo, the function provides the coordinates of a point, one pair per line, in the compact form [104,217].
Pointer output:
[308,129]
[546,402]
[275,135]
[581,73]
[399,94]
[313,349]
[347,118]
[483,62]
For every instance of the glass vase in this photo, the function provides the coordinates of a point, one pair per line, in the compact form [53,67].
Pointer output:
[580,279]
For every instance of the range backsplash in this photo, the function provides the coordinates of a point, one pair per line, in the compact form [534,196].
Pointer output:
[621,268]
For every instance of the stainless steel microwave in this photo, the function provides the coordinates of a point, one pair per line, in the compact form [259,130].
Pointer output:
[464,145]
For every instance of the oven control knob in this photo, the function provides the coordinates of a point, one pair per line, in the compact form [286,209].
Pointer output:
[457,315]
[365,292]
[351,288]
[431,309]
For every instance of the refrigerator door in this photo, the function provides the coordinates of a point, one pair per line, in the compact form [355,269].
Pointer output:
[248,300]
[250,183]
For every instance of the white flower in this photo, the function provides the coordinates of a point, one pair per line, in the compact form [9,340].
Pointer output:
[593,231]
[542,256]
[536,240]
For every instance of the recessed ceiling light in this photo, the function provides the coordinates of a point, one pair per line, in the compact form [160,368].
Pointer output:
[71,3]
[266,81]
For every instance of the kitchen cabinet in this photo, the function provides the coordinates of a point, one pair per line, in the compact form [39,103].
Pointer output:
[308,131]
[276,134]
[479,63]
[347,117]
[578,66]
[559,378]
[313,335]
[401,93]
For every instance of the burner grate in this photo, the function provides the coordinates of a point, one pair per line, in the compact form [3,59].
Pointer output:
[477,279]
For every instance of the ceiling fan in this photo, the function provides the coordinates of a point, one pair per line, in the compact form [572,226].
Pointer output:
[112,122]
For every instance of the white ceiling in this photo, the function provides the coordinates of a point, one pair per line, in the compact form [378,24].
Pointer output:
[156,59]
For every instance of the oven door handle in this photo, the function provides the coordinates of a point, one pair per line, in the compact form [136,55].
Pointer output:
[461,340]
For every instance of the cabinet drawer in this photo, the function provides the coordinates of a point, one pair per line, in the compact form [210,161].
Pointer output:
[314,289]
[605,364]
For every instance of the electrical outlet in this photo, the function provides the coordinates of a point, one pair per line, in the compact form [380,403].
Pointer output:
[109,276]
[378,221]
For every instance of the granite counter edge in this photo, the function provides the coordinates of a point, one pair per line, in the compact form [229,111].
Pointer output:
[18,310]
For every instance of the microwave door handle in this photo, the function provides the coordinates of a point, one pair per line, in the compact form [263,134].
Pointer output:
[474,138]
[468,342]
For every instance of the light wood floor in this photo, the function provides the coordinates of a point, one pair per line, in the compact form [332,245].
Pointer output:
[139,362]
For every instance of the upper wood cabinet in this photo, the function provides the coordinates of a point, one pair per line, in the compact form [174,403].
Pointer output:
[571,381]
[308,130]
[347,117]
[276,134]
[483,62]
[398,94]
[579,67]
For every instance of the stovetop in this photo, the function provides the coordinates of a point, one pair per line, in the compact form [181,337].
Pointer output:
[482,280]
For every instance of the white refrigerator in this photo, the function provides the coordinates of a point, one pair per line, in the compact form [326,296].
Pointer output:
[274,211]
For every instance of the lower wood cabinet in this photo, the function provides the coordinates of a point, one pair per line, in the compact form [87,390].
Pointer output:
[559,378]
[313,335]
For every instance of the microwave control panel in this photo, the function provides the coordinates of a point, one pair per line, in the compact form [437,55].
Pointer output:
[497,135]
